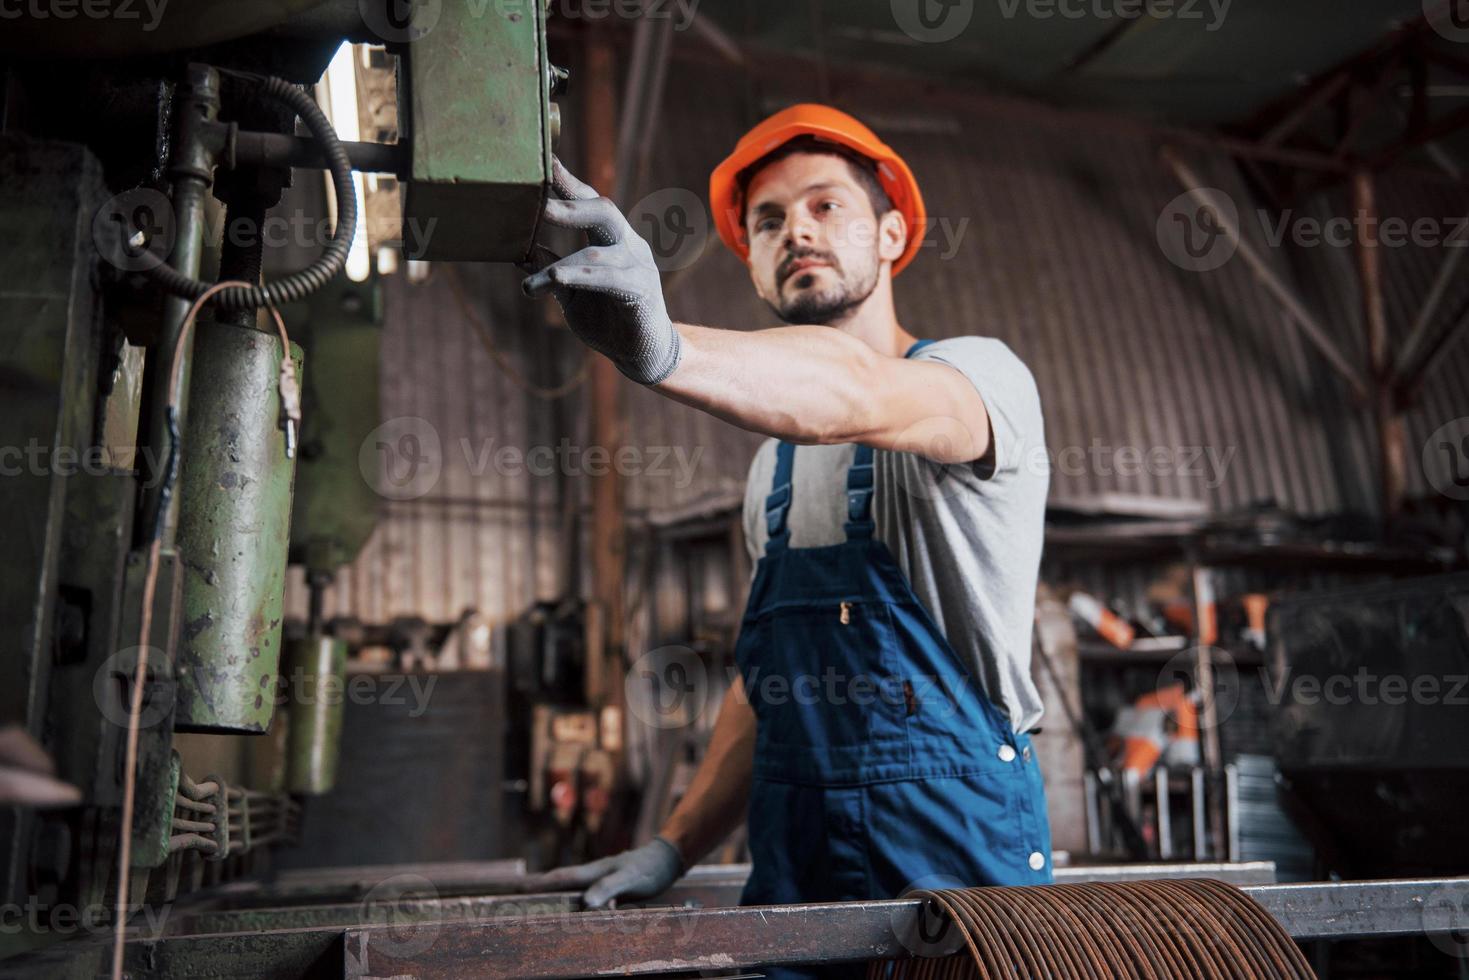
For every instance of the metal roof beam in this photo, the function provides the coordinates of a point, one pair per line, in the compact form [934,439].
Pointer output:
[1293,305]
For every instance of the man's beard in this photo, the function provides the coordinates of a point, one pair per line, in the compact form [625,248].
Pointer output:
[829,304]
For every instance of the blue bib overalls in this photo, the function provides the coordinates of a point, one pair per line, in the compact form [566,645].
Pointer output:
[880,764]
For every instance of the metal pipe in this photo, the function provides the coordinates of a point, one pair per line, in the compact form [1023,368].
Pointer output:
[252,149]
[1165,818]
[670,940]
[242,254]
[197,791]
[202,826]
[1196,795]
[1391,437]
[190,842]
[314,672]
[684,939]
[1231,810]
[190,167]
[195,806]
[478,890]
[1094,842]
[1132,794]
[609,416]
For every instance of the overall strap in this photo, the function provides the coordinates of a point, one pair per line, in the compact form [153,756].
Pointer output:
[860,482]
[778,503]
[859,495]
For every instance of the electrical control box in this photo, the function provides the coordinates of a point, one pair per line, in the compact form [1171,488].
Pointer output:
[475,98]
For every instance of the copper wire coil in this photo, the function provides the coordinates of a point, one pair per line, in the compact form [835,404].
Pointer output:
[1151,930]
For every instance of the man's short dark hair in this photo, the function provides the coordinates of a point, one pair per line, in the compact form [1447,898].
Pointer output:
[864,171]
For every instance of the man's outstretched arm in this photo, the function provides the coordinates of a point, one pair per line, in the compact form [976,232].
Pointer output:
[813,384]
[806,384]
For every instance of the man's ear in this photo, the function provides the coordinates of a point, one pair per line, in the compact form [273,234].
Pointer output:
[892,235]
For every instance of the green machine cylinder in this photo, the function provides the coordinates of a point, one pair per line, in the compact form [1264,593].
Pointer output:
[234,531]
[315,674]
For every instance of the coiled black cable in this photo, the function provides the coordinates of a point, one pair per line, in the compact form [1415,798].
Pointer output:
[301,284]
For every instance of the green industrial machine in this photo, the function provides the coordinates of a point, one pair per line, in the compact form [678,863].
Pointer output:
[334,512]
[315,670]
[235,514]
[335,509]
[479,70]
[153,520]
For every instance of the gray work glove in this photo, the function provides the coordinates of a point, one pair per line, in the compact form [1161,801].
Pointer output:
[610,291]
[639,873]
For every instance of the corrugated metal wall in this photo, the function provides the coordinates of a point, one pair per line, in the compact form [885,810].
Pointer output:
[487,533]
[1044,236]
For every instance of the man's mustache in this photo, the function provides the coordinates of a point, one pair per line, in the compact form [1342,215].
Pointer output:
[783,271]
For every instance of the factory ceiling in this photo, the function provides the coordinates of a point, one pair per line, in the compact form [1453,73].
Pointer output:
[1194,62]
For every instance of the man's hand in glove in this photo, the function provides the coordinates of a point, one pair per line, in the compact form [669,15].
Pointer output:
[639,873]
[610,291]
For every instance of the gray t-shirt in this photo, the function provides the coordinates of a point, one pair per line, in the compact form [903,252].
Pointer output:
[967,536]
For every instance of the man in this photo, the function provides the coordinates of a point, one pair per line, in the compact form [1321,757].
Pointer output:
[877,728]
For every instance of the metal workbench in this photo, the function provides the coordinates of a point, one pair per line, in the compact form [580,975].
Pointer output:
[474,920]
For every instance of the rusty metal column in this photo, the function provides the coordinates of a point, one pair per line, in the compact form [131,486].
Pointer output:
[609,533]
[191,169]
[1390,434]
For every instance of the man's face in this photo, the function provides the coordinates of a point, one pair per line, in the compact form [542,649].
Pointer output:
[817,250]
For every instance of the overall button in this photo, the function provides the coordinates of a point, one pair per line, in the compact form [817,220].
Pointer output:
[1037,860]
[1025,753]
[1007,753]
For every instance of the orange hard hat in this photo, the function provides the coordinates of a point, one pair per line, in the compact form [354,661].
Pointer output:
[824,123]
